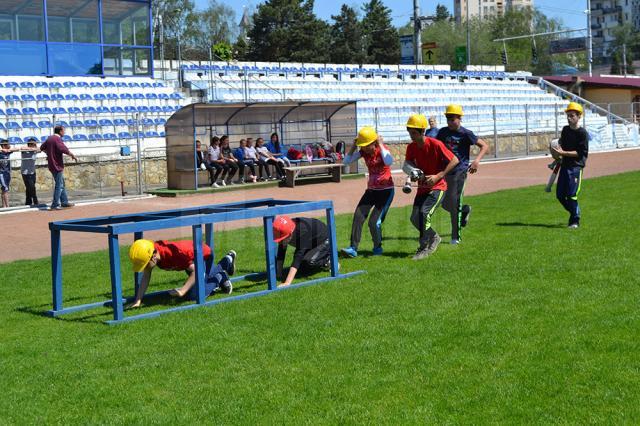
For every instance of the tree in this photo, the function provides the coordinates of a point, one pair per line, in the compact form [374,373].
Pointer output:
[172,15]
[287,30]
[209,27]
[625,38]
[382,40]
[346,44]
[442,13]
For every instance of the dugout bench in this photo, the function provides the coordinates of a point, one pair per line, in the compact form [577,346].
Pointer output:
[196,217]
[292,173]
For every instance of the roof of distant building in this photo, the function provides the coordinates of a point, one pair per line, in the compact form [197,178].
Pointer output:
[621,82]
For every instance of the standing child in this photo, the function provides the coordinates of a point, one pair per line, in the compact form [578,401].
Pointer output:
[379,193]
[427,161]
[5,170]
[574,150]
[28,171]
[459,141]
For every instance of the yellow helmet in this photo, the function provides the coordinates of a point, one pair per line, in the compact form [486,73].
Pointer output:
[417,121]
[454,109]
[574,106]
[140,254]
[366,136]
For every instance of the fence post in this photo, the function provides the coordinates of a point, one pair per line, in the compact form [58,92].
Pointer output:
[100,175]
[526,123]
[495,132]
[138,155]
[555,113]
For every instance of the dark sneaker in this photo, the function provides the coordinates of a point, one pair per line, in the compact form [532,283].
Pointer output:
[68,205]
[466,212]
[55,208]
[433,244]
[226,287]
[377,251]
[421,253]
[232,268]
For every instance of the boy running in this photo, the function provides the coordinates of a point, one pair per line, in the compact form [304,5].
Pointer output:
[427,161]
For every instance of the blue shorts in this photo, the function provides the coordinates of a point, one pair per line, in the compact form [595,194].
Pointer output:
[5,180]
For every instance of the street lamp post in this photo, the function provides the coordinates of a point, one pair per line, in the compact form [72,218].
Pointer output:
[417,33]
[589,38]
[468,36]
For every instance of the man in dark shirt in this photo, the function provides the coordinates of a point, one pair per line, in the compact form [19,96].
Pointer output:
[310,237]
[574,149]
[54,147]
[459,140]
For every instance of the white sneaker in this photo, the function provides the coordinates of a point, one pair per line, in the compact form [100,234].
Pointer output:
[223,183]
[215,185]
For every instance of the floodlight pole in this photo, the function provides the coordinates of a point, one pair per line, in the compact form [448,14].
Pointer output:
[161,37]
[417,33]
[468,36]
[589,39]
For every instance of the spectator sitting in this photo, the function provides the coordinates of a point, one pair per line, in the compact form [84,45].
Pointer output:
[278,150]
[217,162]
[242,163]
[251,154]
[203,163]
[267,158]
[230,161]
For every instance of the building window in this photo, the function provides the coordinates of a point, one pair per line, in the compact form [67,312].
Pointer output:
[77,24]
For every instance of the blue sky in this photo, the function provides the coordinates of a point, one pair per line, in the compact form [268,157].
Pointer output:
[570,12]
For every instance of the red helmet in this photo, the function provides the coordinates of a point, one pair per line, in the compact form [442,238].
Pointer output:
[283,227]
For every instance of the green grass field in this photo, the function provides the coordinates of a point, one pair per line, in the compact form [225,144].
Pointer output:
[525,322]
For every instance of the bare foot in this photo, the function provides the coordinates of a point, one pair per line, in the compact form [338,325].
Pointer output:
[283,285]
[135,304]
[175,292]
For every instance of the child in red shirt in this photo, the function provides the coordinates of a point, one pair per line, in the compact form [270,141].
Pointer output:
[427,161]
[178,256]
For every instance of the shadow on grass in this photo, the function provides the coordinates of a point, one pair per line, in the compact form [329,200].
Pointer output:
[533,225]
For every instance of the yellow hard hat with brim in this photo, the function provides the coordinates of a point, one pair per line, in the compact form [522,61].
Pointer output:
[454,109]
[574,106]
[366,136]
[140,254]
[417,121]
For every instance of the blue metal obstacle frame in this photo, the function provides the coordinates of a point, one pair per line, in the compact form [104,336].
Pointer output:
[196,217]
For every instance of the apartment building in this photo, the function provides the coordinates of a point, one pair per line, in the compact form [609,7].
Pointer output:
[485,8]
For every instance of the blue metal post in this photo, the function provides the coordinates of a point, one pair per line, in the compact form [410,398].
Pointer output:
[199,263]
[333,246]
[116,285]
[270,252]
[137,276]
[208,235]
[56,270]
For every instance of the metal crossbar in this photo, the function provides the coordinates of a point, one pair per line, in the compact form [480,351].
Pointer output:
[196,217]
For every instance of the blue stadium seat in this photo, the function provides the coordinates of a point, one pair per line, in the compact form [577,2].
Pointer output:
[146,84]
[126,96]
[85,97]
[43,138]
[108,84]
[133,84]
[13,111]
[151,96]
[29,111]
[176,95]
[45,110]
[1,98]
[95,84]
[67,138]
[117,110]
[121,84]
[142,108]
[131,122]
[105,122]
[89,110]
[42,84]
[71,97]
[151,134]
[44,124]
[61,123]
[162,134]
[138,96]
[27,98]
[167,108]
[120,122]
[99,97]
[109,136]
[57,97]
[76,123]
[74,110]
[158,84]
[82,84]
[112,96]
[55,85]
[124,135]
[163,96]
[29,125]
[147,122]
[103,110]
[43,97]
[79,137]
[2,112]
[69,84]
[15,140]
[90,123]
[11,85]
[2,126]
[160,121]
[59,110]
[155,109]
[12,98]
[13,125]
[95,136]
[27,138]
[130,108]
